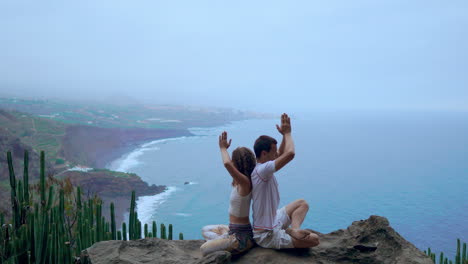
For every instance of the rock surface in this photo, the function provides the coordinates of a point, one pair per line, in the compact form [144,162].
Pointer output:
[366,241]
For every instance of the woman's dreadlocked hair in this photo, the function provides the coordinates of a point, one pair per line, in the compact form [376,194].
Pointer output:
[244,160]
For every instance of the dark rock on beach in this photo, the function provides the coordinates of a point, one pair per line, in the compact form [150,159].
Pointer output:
[366,241]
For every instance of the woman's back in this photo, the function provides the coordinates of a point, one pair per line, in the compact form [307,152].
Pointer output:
[239,206]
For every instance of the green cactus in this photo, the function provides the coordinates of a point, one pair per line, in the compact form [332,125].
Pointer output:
[114,229]
[124,231]
[155,229]
[51,198]
[26,178]
[20,195]
[163,231]
[138,229]
[457,256]
[14,199]
[170,232]
[181,236]
[464,254]
[44,233]
[98,230]
[132,224]
[42,179]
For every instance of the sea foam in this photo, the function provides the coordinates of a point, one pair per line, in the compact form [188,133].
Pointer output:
[131,160]
[148,205]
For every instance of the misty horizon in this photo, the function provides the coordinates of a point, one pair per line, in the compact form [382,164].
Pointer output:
[263,56]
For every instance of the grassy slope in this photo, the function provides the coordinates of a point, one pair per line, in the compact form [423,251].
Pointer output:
[38,133]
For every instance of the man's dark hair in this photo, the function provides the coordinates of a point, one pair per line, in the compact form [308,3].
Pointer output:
[263,143]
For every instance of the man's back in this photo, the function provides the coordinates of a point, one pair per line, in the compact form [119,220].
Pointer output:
[265,195]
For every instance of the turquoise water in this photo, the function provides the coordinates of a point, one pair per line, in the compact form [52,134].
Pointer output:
[409,167]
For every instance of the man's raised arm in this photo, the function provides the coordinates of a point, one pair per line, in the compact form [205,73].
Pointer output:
[286,150]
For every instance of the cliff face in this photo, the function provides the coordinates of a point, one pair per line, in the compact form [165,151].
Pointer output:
[366,241]
[96,147]
[111,188]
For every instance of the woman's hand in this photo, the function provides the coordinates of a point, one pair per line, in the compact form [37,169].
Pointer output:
[223,142]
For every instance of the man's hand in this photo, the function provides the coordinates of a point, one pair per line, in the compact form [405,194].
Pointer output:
[223,142]
[285,125]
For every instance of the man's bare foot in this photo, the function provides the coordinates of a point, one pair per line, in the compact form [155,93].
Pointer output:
[313,231]
[299,234]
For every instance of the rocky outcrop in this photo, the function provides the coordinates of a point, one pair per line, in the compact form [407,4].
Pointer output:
[112,187]
[366,241]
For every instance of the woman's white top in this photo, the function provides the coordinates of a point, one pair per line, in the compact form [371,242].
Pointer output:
[239,205]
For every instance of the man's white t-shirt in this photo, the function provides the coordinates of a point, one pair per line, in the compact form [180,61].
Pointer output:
[265,195]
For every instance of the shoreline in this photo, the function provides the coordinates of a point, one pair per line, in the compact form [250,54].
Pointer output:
[97,147]
[126,154]
[141,198]
[130,147]
[102,147]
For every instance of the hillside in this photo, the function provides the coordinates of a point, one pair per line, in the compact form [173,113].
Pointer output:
[69,145]
[108,115]
[35,132]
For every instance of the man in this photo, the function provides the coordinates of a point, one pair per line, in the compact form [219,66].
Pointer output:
[275,228]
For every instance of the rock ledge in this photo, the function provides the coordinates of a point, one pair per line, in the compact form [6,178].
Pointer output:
[366,241]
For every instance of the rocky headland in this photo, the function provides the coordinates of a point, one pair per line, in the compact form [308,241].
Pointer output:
[371,241]
[112,187]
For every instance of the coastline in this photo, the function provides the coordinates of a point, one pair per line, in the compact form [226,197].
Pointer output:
[103,146]
[97,147]
[126,153]
[157,195]
[130,153]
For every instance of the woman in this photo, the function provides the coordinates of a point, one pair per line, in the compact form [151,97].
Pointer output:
[238,237]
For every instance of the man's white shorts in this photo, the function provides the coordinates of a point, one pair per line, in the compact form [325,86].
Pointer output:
[276,238]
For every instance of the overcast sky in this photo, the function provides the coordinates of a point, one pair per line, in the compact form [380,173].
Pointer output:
[258,55]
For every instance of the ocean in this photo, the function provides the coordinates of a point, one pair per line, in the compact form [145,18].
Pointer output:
[410,167]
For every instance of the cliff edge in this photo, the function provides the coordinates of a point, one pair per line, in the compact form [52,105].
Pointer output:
[366,241]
